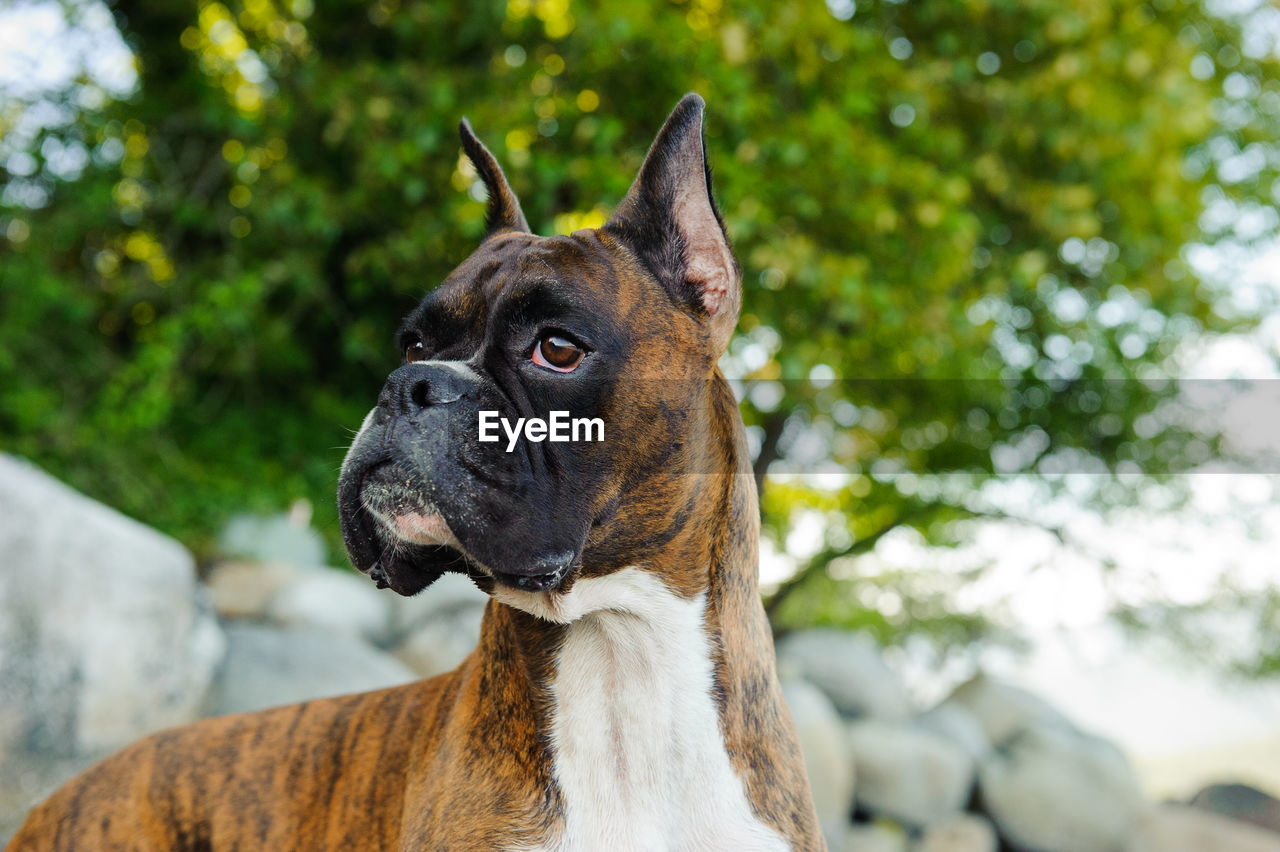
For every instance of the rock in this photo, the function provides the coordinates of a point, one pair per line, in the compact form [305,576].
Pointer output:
[336,601]
[875,837]
[274,538]
[912,775]
[245,589]
[1003,710]
[267,666]
[849,668]
[1242,802]
[822,740]
[961,833]
[1052,789]
[104,637]
[449,594]
[954,722]
[439,645]
[1178,828]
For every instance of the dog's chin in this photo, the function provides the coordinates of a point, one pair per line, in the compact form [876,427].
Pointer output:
[409,568]
[416,549]
[406,566]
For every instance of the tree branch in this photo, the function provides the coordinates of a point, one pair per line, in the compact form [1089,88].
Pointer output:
[769,451]
[825,557]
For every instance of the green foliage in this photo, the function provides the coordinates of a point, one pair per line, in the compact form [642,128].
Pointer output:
[920,193]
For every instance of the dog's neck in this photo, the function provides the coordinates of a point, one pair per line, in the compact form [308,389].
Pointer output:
[653,686]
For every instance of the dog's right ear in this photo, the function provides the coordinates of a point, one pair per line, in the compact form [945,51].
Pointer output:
[504,212]
[669,219]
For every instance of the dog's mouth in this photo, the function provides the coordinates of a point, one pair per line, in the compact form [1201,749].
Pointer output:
[400,543]
[397,537]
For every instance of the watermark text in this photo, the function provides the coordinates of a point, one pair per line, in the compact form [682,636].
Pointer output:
[559,427]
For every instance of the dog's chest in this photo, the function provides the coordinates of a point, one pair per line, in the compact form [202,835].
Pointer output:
[639,756]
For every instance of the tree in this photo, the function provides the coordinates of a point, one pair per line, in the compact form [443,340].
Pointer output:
[962,228]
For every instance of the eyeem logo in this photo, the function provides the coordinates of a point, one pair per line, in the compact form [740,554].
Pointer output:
[558,429]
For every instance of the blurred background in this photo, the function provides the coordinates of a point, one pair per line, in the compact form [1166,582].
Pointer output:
[1008,353]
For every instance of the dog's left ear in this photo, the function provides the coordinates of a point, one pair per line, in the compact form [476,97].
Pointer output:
[504,213]
[669,219]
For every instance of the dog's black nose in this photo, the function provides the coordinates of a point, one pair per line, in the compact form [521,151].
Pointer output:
[423,384]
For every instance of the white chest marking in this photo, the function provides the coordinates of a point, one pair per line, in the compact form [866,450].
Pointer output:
[639,757]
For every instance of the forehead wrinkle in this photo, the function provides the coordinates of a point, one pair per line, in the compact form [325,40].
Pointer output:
[496,284]
[511,269]
[562,259]
[529,265]
[536,263]
[466,294]
[485,273]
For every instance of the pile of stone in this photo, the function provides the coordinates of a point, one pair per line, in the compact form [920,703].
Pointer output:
[298,629]
[992,767]
[107,634]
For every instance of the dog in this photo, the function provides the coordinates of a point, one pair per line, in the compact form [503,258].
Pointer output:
[623,694]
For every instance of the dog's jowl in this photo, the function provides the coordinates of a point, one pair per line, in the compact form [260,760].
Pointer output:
[623,693]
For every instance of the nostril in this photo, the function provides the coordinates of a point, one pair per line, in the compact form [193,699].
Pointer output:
[419,393]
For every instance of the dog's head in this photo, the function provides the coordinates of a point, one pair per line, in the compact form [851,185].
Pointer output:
[618,328]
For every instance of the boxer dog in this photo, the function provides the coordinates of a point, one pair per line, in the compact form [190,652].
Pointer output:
[623,694]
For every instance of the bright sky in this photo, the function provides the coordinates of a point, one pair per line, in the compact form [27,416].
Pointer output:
[40,50]
[1149,703]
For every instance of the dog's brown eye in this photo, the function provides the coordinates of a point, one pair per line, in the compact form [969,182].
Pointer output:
[415,351]
[557,353]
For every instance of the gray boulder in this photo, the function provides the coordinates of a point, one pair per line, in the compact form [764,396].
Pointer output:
[961,833]
[1052,789]
[240,589]
[267,666]
[104,637]
[909,774]
[340,602]
[1177,828]
[446,596]
[1242,802]
[826,760]
[274,538]
[439,645]
[954,722]
[849,668]
[877,837]
[1003,710]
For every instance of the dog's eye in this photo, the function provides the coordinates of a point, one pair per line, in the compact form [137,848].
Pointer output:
[415,351]
[558,353]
